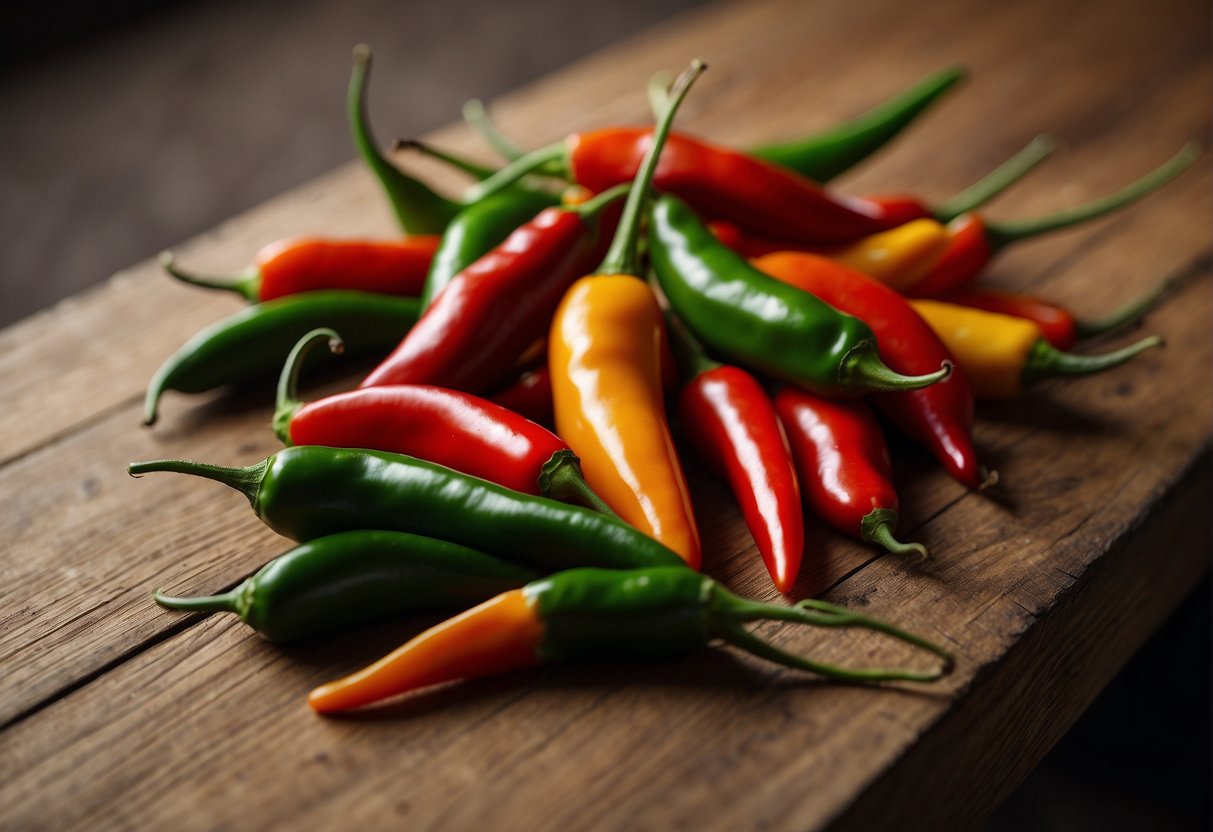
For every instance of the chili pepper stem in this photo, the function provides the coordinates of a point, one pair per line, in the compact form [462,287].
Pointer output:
[727,613]
[588,209]
[1045,361]
[237,601]
[545,159]
[1004,233]
[473,169]
[418,209]
[623,257]
[477,117]
[862,371]
[658,91]
[998,180]
[287,403]
[877,527]
[561,479]
[245,480]
[245,285]
[1128,314]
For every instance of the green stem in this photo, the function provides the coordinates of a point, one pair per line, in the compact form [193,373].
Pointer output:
[245,480]
[561,479]
[1001,234]
[418,209]
[287,402]
[998,180]
[728,612]
[1046,361]
[537,161]
[227,602]
[823,156]
[591,207]
[478,119]
[862,371]
[473,169]
[658,90]
[877,527]
[623,257]
[247,285]
[1130,313]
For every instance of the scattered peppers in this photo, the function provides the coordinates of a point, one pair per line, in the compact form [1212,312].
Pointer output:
[592,612]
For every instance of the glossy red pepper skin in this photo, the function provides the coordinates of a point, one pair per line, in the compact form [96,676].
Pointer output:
[731,422]
[725,184]
[968,252]
[1056,324]
[530,395]
[940,416]
[842,460]
[396,267]
[475,329]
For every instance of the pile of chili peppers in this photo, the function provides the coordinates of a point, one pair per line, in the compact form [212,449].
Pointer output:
[555,340]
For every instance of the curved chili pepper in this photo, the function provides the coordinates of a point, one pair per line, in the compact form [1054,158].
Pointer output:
[759,321]
[255,341]
[355,578]
[1001,354]
[529,395]
[594,612]
[311,491]
[458,430]
[1057,324]
[975,241]
[473,332]
[940,417]
[844,467]
[604,354]
[730,421]
[309,264]
[418,209]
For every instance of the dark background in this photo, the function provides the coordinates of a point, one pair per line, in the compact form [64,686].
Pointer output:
[129,127]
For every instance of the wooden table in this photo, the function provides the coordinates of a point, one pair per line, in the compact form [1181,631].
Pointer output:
[117,714]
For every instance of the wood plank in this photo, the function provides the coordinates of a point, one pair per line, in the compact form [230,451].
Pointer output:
[90,663]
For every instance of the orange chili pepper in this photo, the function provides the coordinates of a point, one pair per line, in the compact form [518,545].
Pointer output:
[604,353]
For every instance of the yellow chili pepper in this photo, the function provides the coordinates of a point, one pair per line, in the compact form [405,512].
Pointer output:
[1001,354]
[898,257]
[605,361]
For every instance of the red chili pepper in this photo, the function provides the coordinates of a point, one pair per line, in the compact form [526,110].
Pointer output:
[975,240]
[731,423]
[844,467]
[308,264]
[1058,325]
[530,395]
[475,329]
[461,431]
[940,416]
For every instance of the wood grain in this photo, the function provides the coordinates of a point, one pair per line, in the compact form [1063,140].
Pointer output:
[119,714]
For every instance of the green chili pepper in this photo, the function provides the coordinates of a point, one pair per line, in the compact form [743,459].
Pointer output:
[310,491]
[592,612]
[255,341]
[759,321]
[353,578]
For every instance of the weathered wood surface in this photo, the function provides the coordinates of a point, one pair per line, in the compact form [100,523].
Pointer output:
[118,714]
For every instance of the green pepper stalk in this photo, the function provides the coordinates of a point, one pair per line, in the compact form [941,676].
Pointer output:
[662,612]
[354,578]
[307,491]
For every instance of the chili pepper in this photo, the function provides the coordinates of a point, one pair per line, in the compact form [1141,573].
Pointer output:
[939,417]
[310,491]
[308,264]
[594,612]
[1001,354]
[975,241]
[474,331]
[823,156]
[529,395]
[1058,325]
[253,342]
[458,430]
[730,421]
[418,209]
[844,467]
[759,321]
[604,354]
[354,578]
